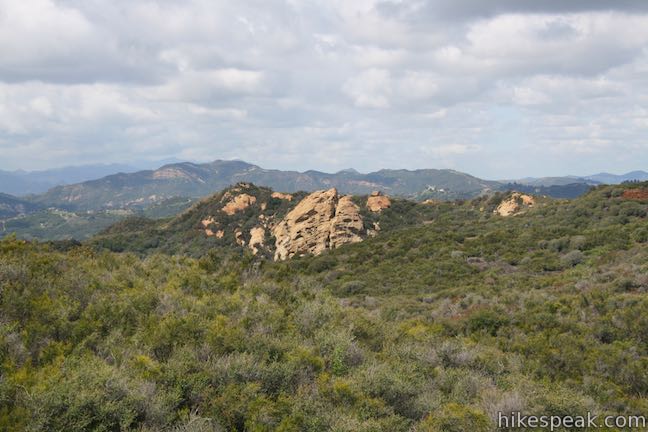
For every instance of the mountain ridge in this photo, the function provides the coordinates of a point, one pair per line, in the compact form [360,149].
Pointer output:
[145,187]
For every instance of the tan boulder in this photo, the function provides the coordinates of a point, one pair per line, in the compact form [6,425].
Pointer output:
[218,234]
[321,221]
[377,202]
[514,204]
[238,203]
[208,221]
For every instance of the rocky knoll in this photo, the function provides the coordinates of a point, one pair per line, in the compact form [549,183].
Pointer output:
[515,204]
[377,202]
[323,220]
[238,203]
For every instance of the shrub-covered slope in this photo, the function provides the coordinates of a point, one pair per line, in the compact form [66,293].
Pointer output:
[221,221]
[436,327]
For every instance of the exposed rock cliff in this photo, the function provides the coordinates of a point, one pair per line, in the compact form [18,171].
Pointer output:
[346,225]
[323,220]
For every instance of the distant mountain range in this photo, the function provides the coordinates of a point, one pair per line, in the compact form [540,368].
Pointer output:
[142,188]
[34,182]
[601,178]
[87,188]
[607,178]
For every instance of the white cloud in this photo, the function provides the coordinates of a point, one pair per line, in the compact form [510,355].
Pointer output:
[484,87]
[370,89]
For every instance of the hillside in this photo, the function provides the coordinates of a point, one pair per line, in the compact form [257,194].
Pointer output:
[568,190]
[35,223]
[432,327]
[11,206]
[137,190]
[250,218]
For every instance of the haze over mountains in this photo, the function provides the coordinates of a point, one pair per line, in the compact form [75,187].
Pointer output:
[22,182]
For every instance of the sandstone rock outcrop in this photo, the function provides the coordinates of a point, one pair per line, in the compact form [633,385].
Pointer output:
[207,221]
[347,223]
[257,237]
[238,236]
[377,202]
[514,204]
[238,203]
[323,220]
[283,196]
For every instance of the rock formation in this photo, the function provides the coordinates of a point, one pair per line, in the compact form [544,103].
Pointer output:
[238,236]
[238,203]
[323,220]
[257,237]
[347,224]
[377,202]
[283,196]
[514,204]
[207,221]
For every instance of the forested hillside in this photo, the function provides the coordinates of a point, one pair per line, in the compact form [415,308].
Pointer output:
[433,327]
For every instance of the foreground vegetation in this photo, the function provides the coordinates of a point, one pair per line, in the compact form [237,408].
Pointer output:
[433,328]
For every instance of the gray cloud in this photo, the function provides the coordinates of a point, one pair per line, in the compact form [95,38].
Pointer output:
[495,88]
[471,9]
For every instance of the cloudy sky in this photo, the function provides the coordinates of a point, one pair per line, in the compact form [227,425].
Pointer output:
[508,90]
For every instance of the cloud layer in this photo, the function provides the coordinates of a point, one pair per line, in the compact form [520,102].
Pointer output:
[514,89]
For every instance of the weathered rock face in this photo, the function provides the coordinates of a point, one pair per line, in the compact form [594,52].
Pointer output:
[321,221]
[257,237]
[346,225]
[514,204]
[238,203]
[377,202]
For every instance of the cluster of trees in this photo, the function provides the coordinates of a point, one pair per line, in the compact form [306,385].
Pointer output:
[433,328]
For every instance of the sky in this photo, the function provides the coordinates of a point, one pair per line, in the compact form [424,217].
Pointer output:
[503,89]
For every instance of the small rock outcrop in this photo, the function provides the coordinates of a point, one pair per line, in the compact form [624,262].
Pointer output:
[218,234]
[257,237]
[377,202]
[238,203]
[283,196]
[431,202]
[238,236]
[514,204]
[207,221]
[323,220]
